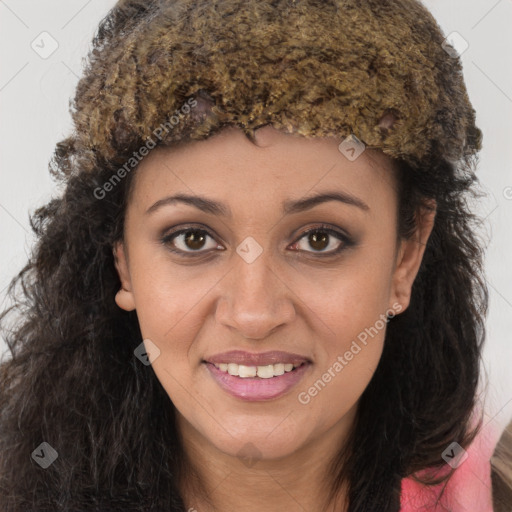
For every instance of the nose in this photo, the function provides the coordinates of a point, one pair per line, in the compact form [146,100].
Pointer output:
[255,301]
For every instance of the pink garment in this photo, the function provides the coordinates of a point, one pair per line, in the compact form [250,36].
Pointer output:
[468,490]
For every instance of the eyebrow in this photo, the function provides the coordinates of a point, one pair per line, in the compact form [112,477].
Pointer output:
[289,206]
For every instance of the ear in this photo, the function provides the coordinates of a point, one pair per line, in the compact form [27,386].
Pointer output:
[410,255]
[124,297]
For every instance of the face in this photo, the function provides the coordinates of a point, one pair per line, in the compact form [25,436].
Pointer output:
[299,288]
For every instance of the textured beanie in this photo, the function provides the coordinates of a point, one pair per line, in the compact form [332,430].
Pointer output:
[376,69]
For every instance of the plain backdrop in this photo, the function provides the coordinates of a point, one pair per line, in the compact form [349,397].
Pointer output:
[35,89]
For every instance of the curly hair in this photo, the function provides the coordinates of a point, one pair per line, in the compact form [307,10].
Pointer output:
[73,380]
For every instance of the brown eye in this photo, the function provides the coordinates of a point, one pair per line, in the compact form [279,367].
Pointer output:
[322,238]
[189,240]
[319,240]
[194,239]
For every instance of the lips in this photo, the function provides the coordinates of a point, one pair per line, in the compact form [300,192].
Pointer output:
[262,359]
[257,388]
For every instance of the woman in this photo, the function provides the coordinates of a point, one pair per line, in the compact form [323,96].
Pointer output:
[262,286]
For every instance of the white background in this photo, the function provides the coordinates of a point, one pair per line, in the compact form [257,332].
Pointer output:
[34,96]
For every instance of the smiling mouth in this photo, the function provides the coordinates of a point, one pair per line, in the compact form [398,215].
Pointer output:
[259,383]
[262,372]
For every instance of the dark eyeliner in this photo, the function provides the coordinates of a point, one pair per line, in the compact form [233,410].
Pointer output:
[324,228]
[167,238]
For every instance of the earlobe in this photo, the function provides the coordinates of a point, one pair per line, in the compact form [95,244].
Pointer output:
[410,255]
[124,297]
[124,300]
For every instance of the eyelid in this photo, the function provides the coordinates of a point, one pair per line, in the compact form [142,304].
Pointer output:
[335,232]
[345,239]
[168,236]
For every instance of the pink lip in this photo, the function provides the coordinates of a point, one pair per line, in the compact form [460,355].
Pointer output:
[256,389]
[262,359]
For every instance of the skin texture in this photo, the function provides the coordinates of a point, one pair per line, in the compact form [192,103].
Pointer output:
[290,298]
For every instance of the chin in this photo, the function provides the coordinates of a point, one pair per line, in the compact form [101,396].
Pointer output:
[255,446]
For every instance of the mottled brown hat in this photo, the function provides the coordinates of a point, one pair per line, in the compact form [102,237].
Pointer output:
[377,69]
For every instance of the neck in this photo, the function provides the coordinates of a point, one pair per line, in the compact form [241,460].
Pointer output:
[217,482]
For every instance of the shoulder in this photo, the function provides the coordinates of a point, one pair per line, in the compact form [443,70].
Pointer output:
[469,488]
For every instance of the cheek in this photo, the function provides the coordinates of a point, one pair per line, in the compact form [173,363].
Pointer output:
[350,301]
[163,298]
[352,311]
[165,292]
[350,350]
[170,309]
[352,346]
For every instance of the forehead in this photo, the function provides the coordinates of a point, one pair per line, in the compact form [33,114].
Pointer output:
[229,167]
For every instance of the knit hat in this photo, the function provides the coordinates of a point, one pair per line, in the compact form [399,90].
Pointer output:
[375,69]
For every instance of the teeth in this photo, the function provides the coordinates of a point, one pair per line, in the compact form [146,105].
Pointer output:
[266,372]
[247,371]
[232,369]
[278,369]
[263,372]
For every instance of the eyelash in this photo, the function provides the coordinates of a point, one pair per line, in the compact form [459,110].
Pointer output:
[323,228]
